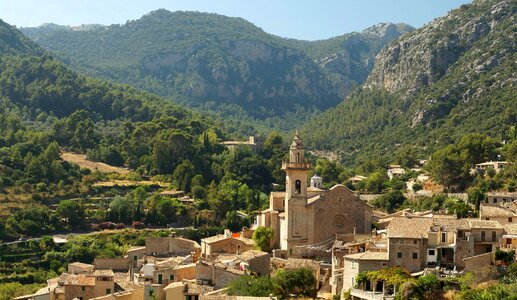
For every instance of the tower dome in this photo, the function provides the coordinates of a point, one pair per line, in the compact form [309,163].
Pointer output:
[316,181]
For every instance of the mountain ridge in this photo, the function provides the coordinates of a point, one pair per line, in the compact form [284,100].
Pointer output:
[215,62]
[420,97]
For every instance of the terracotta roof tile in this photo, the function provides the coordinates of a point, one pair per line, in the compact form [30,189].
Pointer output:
[494,211]
[413,227]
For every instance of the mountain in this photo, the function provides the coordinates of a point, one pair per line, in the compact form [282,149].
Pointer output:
[219,63]
[348,59]
[454,76]
[13,41]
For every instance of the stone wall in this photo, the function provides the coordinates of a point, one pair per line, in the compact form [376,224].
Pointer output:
[227,297]
[407,247]
[76,291]
[343,212]
[120,264]
[218,277]
[478,262]
[157,246]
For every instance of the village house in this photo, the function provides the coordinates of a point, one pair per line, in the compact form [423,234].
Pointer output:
[509,238]
[253,143]
[496,165]
[496,212]
[294,215]
[171,246]
[225,244]
[419,242]
[395,171]
[80,268]
[501,198]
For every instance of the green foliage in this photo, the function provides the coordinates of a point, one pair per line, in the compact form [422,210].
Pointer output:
[262,237]
[390,201]
[458,207]
[451,91]
[507,257]
[72,211]
[376,181]
[448,167]
[247,285]
[12,290]
[285,283]
[300,282]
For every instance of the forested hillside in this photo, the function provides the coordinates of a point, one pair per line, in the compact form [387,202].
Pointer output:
[45,108]
[221,64]
[453,76]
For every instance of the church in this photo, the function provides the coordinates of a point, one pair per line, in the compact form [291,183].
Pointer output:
[307,218]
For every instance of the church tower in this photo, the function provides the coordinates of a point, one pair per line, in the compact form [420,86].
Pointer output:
[296,169]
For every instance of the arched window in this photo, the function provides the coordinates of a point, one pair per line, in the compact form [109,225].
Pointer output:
[298,186]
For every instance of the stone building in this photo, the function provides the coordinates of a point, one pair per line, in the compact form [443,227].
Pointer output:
[496,212]
[503,198]
[171,246]
[305,219]
[353,264]
[407,242]
[225,244]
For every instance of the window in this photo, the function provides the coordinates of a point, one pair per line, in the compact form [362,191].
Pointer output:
[108,291]
[151,292]
[482,236]
[383,264]
[431,252]
[460,234]
[135,257]
[444,237]
[83,288]
[160,278]
[494,236]
[415,255]
[510,220]
[415,241]
[297,157]
[171,277]
[399,254]
[298,186]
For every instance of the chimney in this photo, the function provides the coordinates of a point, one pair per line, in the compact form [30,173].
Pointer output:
[227,233]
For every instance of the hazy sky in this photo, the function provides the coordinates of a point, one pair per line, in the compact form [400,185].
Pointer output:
[302,19]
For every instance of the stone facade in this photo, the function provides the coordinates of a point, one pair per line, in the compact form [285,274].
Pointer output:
[408,252]
[171,246]
[357,263]
[118,264]
[224,244]
[298,225]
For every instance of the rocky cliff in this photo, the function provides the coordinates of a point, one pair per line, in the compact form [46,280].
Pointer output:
[220,63]
[455,75]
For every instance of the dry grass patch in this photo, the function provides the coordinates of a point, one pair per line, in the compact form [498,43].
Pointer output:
[81,161]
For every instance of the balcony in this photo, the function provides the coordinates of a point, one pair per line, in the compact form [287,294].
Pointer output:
[296,165]
[370,295]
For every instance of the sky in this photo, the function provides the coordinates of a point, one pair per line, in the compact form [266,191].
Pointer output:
[300,19]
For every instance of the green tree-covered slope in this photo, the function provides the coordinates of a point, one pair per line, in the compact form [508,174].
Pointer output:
[453,76]
[219,63]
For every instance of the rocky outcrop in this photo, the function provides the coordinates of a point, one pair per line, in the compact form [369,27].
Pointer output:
[423,56]
[207,58]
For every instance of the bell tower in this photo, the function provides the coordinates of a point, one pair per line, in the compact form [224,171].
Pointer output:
[296,170]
